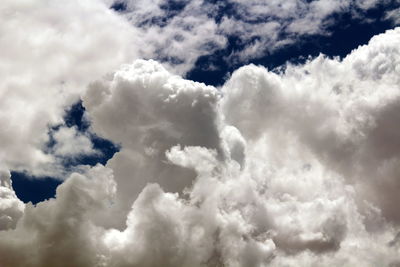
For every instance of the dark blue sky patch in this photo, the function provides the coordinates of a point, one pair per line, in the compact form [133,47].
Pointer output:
[119,6]
[221,9]
[32,189]
[347,33]
[106,150]
[171,9]
[160,21]
[75,117]
[211,69]
[36,189]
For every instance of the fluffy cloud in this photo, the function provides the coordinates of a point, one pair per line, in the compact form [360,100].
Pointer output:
[343,112]
[296,168]
[11,208]
[58,231]
[147,110]
[303,175]
[51,50]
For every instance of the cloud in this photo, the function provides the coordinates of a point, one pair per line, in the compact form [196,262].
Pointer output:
[69,142]
[293,168]
[342,111]
[314,185]
[11,208]
[57,231]
[394,15]
[179,32]
[147,110]
[54,49]
[51,50]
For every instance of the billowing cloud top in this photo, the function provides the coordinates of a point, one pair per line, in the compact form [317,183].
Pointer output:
[292,168]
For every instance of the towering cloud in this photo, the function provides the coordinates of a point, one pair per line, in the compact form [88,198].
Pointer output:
[290,168]
[147,110]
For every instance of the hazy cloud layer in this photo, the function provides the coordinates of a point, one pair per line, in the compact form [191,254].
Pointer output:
[298,168]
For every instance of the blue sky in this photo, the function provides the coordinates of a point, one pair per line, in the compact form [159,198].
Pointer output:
[344,33]
[199,133]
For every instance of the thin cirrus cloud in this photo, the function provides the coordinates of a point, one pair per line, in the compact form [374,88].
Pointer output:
[290,168]
[179,32]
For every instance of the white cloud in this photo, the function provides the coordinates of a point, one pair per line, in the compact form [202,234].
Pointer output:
[147,110]
[294,170]
[57,231]
[200,27]
[53,49]
[50,51]
[69,142]
[342,111]
[298,168]
[11,208]
[312,189]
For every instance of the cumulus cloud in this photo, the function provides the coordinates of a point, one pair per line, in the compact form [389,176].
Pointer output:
[58,231]
[11,208]
[147,110]
[51,50]
[290,168]
[342,111]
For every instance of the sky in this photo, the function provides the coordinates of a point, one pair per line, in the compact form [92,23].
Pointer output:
[199,133]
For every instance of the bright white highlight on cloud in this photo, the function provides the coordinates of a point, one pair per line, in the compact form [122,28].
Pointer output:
[298,168]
